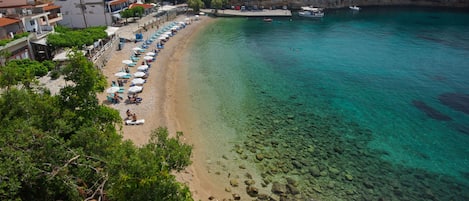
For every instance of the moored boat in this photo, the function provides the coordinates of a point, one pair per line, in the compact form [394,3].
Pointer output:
[308,11]
[356,8]
[268,19]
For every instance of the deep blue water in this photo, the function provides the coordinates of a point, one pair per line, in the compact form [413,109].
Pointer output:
[355,106]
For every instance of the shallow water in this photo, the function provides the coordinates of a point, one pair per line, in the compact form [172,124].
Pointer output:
[350,106]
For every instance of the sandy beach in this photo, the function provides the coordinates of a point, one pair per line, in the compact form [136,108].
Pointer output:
[165,101]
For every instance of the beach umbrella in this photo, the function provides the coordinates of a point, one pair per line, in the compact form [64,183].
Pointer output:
[162,38]
[148,57]
[127,61]
[138,81]
[142,68]
[139,74]
[135,89]
[150,54]
[137,48]
[112,90]
[121,74]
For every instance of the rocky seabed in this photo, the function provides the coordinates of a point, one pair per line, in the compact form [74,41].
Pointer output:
[305,156]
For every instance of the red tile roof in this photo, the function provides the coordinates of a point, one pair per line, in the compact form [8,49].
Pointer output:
[116,2]
[145,6]
[7,21]
[50,7]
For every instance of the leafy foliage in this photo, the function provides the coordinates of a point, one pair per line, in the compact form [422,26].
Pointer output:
[217,4]
[195,4]
[23,71]
[66,147]
[3,42]
[65,37]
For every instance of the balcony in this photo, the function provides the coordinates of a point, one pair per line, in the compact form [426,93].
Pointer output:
[38,34]
[53,18]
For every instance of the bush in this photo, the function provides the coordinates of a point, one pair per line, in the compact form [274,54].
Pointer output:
[54,74]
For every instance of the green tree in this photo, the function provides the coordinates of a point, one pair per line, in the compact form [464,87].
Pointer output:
[217,4]
[196,5]
[126,14]
[66,147]
[22,71]
[138,11]
[157,158]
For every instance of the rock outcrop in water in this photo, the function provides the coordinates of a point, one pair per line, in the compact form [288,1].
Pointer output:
[456,101]
[430,112]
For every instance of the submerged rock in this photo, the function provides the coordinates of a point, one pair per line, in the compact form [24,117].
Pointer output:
[252,191]
[456,101]
[234,182]
[430,112]
[279,188]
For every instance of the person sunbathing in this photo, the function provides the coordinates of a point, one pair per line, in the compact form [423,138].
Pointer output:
[134,117]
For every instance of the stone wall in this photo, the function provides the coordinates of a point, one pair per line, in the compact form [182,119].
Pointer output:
[296,4]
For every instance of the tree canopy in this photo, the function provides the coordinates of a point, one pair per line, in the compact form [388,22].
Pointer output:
[65,37]
[67,147]
[196,5]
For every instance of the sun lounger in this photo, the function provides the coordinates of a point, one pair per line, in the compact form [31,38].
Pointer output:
[138,122]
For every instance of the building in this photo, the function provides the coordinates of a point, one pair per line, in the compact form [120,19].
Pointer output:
[89,13]
[25,16]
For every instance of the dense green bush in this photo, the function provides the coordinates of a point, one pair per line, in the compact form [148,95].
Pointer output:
[65,37]
[3,42]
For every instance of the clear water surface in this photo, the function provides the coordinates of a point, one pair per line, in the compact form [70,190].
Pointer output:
[352,106]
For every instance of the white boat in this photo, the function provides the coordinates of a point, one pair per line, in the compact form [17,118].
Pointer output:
[308,11]
[356,8]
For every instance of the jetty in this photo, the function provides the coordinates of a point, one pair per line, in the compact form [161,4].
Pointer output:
[249,13]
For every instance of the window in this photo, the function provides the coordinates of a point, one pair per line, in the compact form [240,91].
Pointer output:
[32,22]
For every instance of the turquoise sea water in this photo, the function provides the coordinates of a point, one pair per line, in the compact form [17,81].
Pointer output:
[355,106]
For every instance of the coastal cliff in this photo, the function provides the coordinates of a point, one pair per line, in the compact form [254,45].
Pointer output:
[296,4]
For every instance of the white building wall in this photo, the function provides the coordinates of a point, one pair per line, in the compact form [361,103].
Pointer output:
[92,14]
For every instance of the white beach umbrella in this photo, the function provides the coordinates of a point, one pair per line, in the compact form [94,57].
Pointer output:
[138,81]
[162,38]
[142,68]
[112,90]
[150,54]
[127,61]
[121,74]
[135,89]
[137,48]
[139,74]
[148,57]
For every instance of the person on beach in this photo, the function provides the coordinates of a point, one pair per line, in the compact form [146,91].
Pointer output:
[116,98]
[134,117]
[129,114]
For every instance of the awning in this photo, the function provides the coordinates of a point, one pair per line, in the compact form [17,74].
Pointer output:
[62,56]
[111,30]
[117,15]
[41,41]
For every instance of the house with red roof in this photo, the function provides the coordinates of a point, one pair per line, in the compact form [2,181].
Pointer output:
[20,16]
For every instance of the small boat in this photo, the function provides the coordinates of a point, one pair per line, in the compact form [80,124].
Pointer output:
[308,11]
[355,8]
[268,20]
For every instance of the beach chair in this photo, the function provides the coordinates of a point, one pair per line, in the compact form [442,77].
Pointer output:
[138,122]
[132,64]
